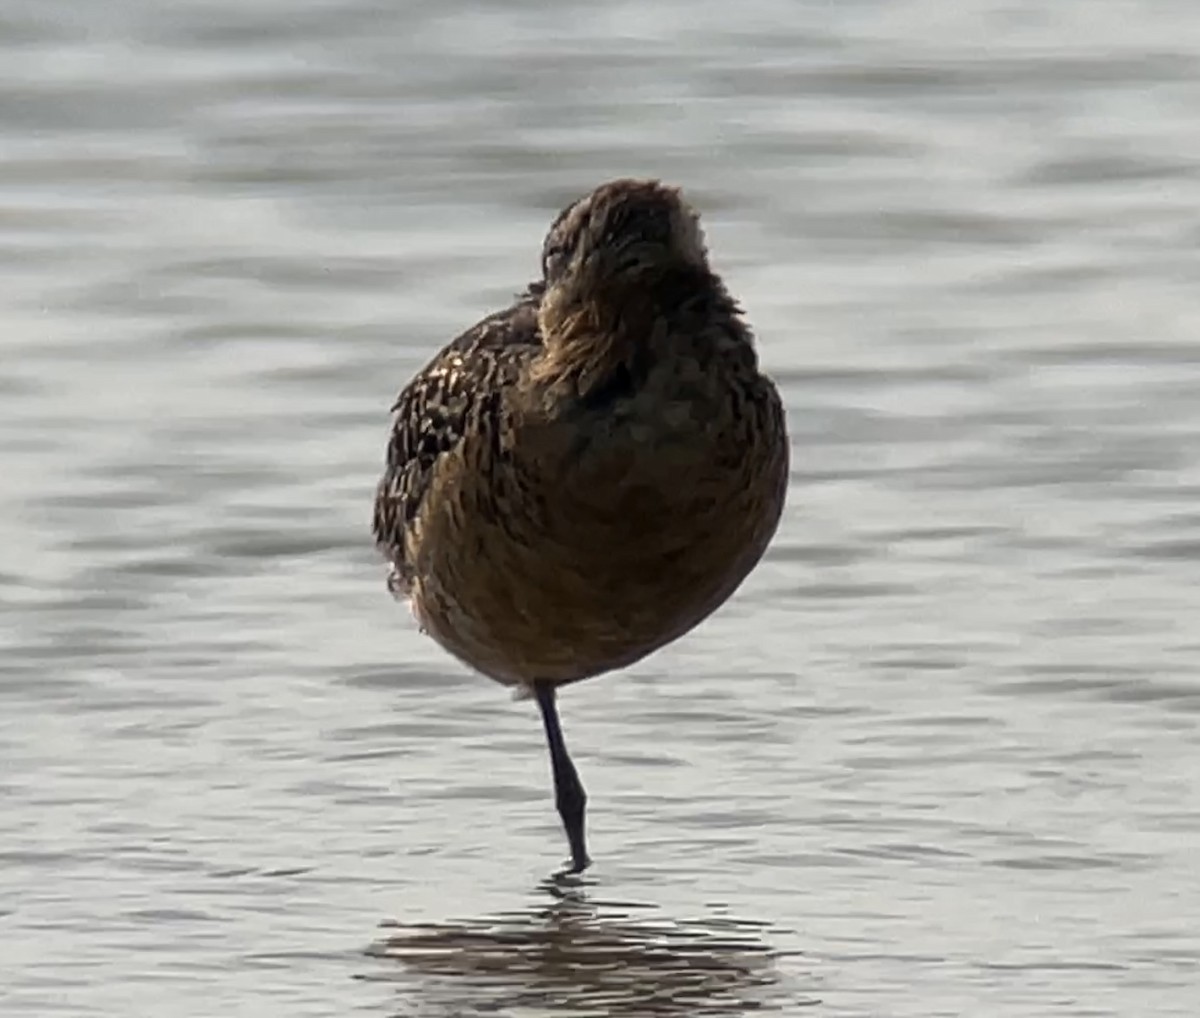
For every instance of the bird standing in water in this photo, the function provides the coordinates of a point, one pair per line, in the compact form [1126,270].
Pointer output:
[581,478]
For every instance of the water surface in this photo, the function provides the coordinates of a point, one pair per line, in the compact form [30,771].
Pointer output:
[940,755]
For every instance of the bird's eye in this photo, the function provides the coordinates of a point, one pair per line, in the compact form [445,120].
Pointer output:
[554,261]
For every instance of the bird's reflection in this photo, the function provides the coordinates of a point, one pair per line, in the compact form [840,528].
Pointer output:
[578,956]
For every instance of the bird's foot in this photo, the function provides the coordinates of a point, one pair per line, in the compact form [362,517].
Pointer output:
[571,873]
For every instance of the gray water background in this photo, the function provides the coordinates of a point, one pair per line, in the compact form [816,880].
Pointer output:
[941,756]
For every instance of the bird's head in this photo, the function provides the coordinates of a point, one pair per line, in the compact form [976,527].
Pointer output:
[619,267]
[624,235]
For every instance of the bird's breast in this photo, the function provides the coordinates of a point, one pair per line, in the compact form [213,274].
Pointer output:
[593,538]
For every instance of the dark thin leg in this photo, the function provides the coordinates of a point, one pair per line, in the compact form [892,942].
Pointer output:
[569,795]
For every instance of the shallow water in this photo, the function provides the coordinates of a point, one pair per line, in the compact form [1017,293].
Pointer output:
[941,754]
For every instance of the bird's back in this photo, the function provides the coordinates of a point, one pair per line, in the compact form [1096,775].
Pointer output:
[456,393]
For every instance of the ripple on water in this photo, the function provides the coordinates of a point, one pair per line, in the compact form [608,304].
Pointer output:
[585,956]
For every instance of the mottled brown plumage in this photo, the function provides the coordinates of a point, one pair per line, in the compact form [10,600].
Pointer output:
[583,477]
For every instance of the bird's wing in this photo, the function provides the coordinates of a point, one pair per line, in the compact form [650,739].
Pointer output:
[454,392]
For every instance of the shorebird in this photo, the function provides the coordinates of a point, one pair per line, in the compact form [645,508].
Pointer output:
[581,478]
